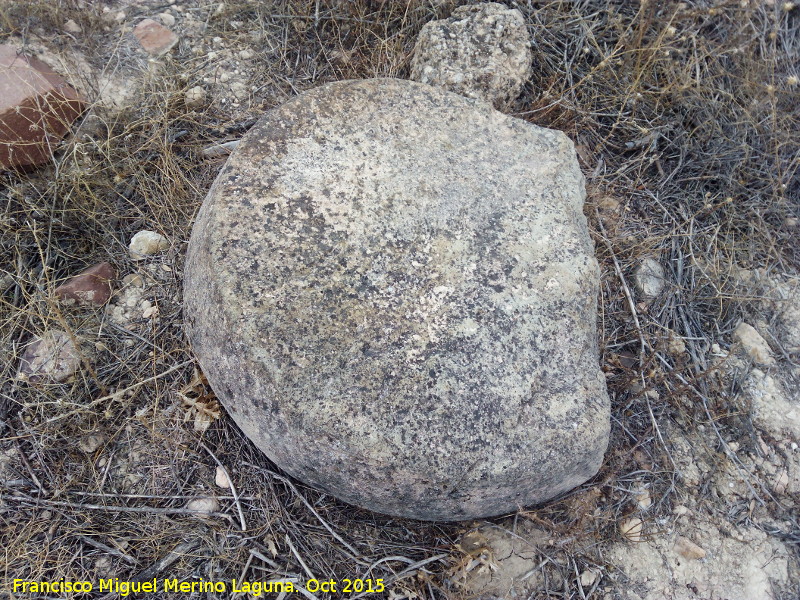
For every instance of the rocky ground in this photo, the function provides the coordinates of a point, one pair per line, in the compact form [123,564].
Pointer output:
[117,461]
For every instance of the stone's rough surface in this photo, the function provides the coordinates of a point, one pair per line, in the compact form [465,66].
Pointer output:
[789,315]
[154,37]
[145,243]
[37,108]
[649,278]
[752,343]
[393,290]
[482,51]
[92,287]
[51,357]
[776,409]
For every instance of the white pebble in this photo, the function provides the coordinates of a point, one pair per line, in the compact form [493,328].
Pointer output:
[203,507]
[221,479]
[146,243]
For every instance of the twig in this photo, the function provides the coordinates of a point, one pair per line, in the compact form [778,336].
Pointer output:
[262,558]
[119,393]
[298,557]
[643,345]
[173,555]
[101,546]
[220,149]
[406,571]
[230,482]
[24,460]
[128,509]
[631,305]
[336,536]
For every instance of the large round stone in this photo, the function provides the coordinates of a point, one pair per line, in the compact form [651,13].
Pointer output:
[393,291]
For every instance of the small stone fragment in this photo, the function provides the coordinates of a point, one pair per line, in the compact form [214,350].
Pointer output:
[643,500]
[154,37]
[482,51]
[755,345]
[37,108]
[51,357]
[194,97]
[776,409]
[781,482]
[676,345]
[588,577]
[91,287]
[167,19]
[631,529]
[688,549]
[133,279]
[146,243]
[203,507]
[649,278]
[72,27]
[91,442]
[221,479]
[789,318]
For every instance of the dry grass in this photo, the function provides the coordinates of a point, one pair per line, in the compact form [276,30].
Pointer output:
[687,127]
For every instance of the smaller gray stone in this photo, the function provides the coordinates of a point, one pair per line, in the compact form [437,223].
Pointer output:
[482,51]
[51,357]
[649,278]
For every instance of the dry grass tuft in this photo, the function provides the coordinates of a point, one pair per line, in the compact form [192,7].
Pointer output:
[686,123]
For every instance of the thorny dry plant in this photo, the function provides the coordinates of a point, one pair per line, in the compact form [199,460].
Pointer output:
[685,119]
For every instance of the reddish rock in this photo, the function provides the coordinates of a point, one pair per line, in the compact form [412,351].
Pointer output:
[52,357]
[154,37]
[91,287]
[37,108]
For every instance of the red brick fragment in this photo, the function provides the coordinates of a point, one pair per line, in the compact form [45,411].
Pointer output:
[37,108]
[91,287]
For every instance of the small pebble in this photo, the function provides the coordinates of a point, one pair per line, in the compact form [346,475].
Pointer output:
[632,529]
[588,577]
[72,27]
[688,549]
[203,507]
[195,97]
[755,345]
[221,479]
[146,243]
[91,442]
[133,280]
[167,19]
